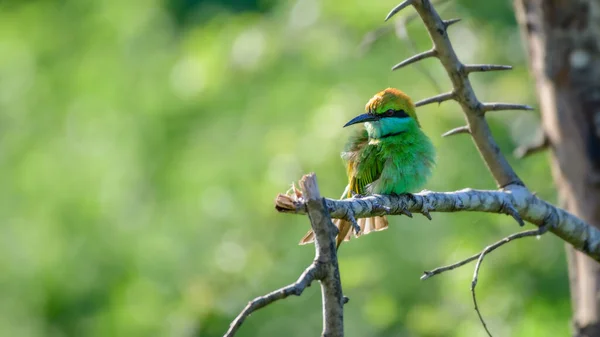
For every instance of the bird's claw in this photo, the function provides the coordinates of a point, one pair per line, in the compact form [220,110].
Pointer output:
[403,209]
[378,207]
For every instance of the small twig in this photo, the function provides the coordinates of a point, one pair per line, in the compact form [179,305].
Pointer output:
[479,312]
[504,106]
[479,257]
[439,270]
[535,232]
[296,289]
[469,68]
[487,250]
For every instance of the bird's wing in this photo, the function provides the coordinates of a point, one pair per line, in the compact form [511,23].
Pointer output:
[362,165]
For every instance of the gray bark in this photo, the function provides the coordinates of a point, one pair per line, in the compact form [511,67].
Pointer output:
[562,38]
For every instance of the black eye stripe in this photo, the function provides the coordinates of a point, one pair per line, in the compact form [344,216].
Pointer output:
[396,113]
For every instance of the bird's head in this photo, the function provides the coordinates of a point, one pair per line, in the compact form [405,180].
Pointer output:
[389,112]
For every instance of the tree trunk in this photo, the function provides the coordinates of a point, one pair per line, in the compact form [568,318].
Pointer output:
[563,40]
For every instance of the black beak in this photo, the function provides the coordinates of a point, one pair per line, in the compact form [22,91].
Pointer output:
[368,117]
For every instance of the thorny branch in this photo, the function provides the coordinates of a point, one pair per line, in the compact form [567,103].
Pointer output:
[474,111]
[528,207]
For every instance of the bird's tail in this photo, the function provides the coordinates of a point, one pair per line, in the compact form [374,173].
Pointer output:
[367,225]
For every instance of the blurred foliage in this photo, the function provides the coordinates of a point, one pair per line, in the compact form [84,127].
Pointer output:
[140,157]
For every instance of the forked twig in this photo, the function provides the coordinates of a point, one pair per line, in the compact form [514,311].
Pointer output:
[324,267]
[535,232]
[479,257]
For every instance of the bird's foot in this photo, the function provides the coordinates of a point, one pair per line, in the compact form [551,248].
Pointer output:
[403,209]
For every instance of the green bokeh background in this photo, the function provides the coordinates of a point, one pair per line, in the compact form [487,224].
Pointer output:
[143,143]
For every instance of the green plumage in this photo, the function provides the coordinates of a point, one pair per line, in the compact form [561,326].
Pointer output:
[390,154]
[390,165]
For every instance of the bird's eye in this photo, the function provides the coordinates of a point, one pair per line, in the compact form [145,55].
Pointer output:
[390,112]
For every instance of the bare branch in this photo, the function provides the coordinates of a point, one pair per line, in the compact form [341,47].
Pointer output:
[296,289]
[398,8]
[324,268]
[326,255]
[436,99]
[413,59]
[469,68]
[570,228]
[479,257]
[439,270]
[456,131]
[504,106]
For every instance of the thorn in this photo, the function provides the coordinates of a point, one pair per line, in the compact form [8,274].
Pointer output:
[504,106]
[510,210]
[425,209]
[456,131]
[449,22]
[398,8]
[418,57]
[345,299]
[436,99]
[469,68]
[406,212]
[527,149]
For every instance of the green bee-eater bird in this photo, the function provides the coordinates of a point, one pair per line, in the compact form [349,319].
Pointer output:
[389,155]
